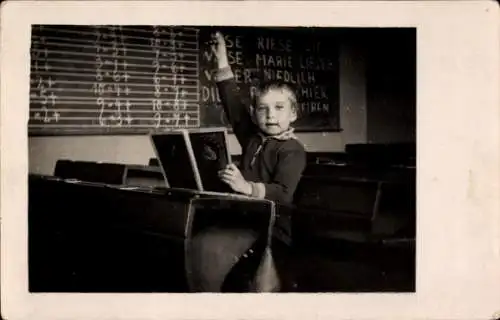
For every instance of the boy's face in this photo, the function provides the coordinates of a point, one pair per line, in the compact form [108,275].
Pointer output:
[274,112]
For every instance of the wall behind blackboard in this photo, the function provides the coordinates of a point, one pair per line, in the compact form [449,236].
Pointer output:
[138,79]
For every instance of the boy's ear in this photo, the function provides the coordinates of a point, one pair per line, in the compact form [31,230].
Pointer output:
[252,114]
[293,115]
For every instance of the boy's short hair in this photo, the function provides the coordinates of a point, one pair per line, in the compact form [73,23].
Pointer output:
[263,87]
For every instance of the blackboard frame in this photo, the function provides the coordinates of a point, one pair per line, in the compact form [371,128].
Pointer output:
[315,124]
[128,132]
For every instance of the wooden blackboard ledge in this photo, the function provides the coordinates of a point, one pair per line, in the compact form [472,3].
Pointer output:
[127,132]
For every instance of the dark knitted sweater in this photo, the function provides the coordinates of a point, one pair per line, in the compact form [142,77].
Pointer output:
[276,163]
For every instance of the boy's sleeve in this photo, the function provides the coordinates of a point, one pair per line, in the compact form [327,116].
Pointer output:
[291,164]
[236,107]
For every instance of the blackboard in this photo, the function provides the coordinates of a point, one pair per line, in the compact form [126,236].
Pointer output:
[172,150]
[141,79]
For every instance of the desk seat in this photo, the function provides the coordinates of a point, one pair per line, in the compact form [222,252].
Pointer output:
[353,209]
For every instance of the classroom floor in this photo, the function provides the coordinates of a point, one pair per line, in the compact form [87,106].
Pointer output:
[336,266]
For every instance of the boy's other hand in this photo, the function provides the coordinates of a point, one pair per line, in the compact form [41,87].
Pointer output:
[219,49]
[233,177]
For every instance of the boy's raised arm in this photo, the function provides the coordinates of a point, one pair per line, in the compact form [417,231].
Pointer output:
[236,107]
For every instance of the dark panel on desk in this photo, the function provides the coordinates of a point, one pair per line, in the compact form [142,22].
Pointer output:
[95,239]
[108,173]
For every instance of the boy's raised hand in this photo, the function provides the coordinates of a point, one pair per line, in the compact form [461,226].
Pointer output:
[233,177]
[219,49]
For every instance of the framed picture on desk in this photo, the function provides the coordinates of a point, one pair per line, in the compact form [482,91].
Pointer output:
[211,154]
[191,159]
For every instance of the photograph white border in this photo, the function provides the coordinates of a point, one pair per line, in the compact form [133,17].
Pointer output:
[458,194]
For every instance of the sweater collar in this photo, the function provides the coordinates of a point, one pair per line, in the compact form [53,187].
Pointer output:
[285,135]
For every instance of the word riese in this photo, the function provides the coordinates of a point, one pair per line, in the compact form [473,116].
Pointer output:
[263,43]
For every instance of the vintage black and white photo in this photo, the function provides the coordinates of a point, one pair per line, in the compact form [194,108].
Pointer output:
[249,159]
[342,217]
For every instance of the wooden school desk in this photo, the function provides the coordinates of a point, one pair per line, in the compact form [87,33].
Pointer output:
[93,237]
[150,257]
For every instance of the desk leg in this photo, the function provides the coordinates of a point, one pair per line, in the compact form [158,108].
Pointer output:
[214,252]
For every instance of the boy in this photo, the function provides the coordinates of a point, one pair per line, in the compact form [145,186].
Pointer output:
[272,164]
[272,159]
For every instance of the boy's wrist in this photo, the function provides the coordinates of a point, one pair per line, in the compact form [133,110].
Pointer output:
[257,190]
[248,188]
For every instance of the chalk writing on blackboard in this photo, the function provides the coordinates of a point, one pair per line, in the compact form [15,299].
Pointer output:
[279,55]
[120,77]
[138,79]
